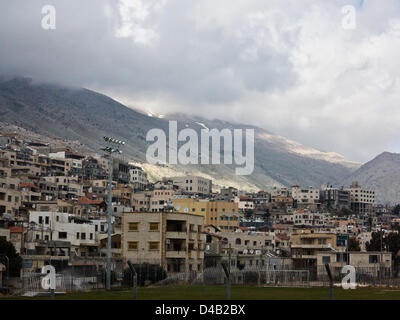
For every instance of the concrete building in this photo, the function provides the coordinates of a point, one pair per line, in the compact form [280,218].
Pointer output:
[335,198]
[5,234]
[305,197]
[362,200]
[152,201]
[193,184]
[248,242]
[222,214]
[367,264]
[10,196]
[245,203]
[307,219]
[305,245]
[138,177]
[59,226]
[173,240]
[228,194]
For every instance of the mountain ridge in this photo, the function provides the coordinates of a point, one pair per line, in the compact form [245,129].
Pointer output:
[85,115]
[382,174]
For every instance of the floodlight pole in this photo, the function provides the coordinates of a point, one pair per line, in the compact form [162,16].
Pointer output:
[110,150]
[109,213]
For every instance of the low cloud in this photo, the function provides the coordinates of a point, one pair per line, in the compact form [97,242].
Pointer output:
[285,65]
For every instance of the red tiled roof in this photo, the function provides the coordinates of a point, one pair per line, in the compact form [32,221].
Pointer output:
[86,201]
[246,198]
[28,185]
[283,236]
[16,229]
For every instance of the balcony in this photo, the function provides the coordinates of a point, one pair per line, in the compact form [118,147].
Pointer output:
[310,246]
[303,256]
[176,235]
[182,254]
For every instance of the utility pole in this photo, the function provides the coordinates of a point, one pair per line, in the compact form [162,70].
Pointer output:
[110,150]
[109,213]
[380,262]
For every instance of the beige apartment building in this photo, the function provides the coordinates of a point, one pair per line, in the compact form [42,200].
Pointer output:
[305,197]
[67,187]
[221,214]
[193,184]
[306,244]
[10,196]
[173,240]
[373,264]
[152,201]
[248,242]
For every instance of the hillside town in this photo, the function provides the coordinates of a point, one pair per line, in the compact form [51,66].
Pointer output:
[53,209]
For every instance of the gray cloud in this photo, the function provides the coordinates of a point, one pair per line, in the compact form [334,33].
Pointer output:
[285,65]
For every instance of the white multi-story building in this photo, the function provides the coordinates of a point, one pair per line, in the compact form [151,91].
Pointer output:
[137,177]
[362,200]
[60,226]
[244,203]
[305,196]
[303,218]
[193,184]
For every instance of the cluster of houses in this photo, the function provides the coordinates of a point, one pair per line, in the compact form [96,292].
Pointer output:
[53,208]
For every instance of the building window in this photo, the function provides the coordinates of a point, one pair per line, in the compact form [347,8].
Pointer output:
[132,246]
[47,220]
[373,259]
[62,235]
[77,235]
[154,226]
[326,259]
[154,246]
[83,236]
[40,220]
[91,236]
[133,226]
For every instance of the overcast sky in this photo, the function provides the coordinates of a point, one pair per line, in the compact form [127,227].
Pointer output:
[286,65]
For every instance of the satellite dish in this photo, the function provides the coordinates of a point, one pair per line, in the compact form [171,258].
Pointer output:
[251,251]
[245,251]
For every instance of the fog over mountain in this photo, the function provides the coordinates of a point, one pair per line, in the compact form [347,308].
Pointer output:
[84,115]
[287,66]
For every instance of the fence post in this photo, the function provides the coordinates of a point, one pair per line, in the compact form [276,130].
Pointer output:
[135,287]
[134,275]
[228,280]
[328,270]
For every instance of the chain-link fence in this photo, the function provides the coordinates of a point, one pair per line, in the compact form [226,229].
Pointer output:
[82,275]
[89,275]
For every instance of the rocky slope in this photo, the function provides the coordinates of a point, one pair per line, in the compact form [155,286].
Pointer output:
[86,116]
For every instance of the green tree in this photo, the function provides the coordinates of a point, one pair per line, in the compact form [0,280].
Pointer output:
[344,212]
[15,261]
[390,243]
[396,210]
[354,245]
[377,238]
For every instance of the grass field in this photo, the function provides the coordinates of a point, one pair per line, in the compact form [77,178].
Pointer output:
[237,293]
